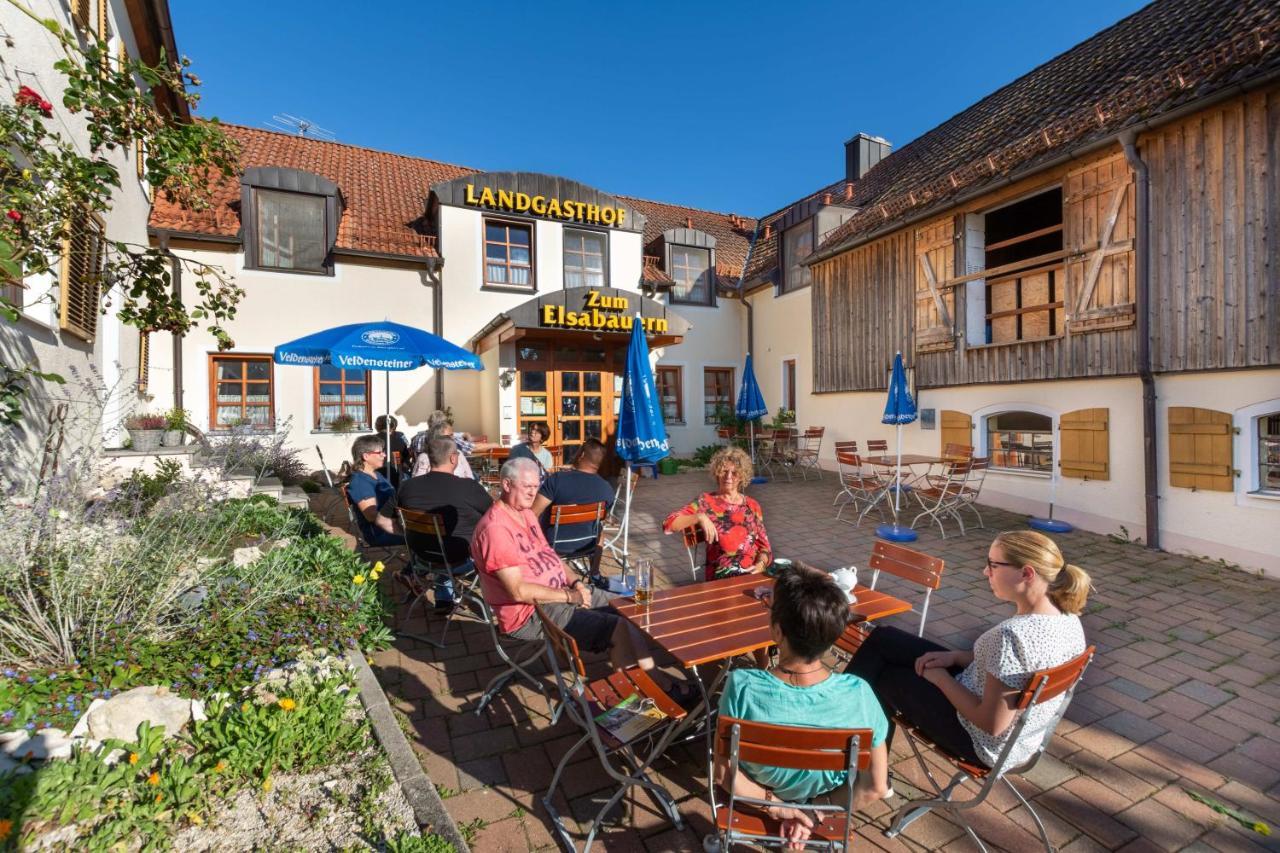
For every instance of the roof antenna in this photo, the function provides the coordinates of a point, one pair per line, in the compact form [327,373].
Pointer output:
[299,126]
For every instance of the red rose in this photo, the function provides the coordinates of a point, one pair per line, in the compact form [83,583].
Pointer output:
[46,107]
[14,215]
[28,97]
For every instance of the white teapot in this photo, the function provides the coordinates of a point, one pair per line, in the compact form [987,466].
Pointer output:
[846,578]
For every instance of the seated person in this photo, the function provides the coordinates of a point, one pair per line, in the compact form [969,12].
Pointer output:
[517,568]
[978,689]
[369,491]
[807,614]
[423,463]
[733,523]
[398,445]
[460,502]
[581,484]
[532,448]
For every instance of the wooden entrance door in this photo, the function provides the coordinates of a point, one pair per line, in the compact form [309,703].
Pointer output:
[572,390]
[585,408]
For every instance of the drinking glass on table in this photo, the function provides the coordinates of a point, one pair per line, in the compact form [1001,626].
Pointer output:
[642,581]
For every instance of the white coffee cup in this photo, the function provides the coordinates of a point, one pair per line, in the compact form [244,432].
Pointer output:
[846,578]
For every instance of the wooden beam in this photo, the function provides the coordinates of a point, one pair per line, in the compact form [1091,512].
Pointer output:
[1038,260]
[932,280]
[1022,238]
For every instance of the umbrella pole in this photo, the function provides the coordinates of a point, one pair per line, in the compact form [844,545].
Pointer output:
[386,421]
[626,519]
[896,532]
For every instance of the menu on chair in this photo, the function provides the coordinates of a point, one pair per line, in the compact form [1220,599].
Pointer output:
[630,718]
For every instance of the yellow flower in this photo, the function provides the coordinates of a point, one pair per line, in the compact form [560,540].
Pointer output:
[26,174]
[268,784]
[1259,827]
[287,704]
[6,829]
[244,707]
[378,567]
[159,797]
[358,579]
[220,766]
[195,818]
[133,758]
[153,779]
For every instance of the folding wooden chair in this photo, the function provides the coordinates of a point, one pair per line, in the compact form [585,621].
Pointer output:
[431,559]
[808,448]
[363,546]
[795,748]
[580,552]
[585,700]
[780,452]
[912,566]
[518,655]
[693,537]
[1047,684]
[878,445]
[857,489]
[939,495]
[968,497]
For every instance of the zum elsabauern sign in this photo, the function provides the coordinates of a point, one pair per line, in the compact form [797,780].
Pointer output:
[541,205]
[599,313]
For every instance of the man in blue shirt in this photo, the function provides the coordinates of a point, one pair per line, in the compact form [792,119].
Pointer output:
[580,485]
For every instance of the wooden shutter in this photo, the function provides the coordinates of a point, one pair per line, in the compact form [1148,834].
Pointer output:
[935,304]
[80,13]
[957,428]
[1098,204]
[80,280]
[104,25]
[1084,446]
[144,361]
[1200,452]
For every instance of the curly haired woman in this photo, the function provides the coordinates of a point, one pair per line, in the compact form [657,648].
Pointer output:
[733,523]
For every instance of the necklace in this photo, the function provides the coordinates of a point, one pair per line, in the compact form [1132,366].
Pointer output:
[793,675]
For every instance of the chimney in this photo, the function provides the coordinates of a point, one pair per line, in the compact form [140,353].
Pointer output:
[688,222]
[861,153]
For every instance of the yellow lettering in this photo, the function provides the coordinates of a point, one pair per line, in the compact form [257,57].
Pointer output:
[615,321]
[626,323]
[553,208]
[506,199]
[593,298]
[549,315]
[522,202]
[593,213]
[659,324]
[622,216]
[569,207]
[486,197]
[597,319]
[471,194]
[608,215]
[538,204]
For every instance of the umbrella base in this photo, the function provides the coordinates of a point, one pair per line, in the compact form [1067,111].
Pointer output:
[896,533]
[1049,525]
[755,481]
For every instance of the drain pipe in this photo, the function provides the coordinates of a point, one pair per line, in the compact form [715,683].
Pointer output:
[1143,299]
[751,312]
[437,317]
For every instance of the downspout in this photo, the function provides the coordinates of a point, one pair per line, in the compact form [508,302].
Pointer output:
[1142,251]
[175,276]
[437,317]
[751,313]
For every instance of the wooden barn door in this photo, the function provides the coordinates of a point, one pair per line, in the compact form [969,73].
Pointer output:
[1098,234]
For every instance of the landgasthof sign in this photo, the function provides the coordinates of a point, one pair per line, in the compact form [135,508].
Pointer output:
[541,205]
[599,313]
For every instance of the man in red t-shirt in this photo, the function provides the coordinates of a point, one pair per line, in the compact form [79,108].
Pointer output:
[518,567]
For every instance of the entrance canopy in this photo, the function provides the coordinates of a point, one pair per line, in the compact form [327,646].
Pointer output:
[594,313]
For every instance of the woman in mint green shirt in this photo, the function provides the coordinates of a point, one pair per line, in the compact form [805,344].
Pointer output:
[807,615]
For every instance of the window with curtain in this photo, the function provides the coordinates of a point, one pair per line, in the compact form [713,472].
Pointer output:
[717,393]
[508,254]
[1269,453]
[1020,441]
[797,244]
[341,392]
[691,272]
[291,231]
[668,382]
[583,259]
[240,388]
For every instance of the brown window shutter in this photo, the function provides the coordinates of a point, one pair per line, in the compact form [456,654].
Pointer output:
[935,304]
[1085,444]
[1200,451]
[1098,204]
[81,279]
[80,13]
[957,428]
[144,361]
[104,26]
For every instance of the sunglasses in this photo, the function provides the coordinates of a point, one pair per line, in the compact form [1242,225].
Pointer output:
[991,564]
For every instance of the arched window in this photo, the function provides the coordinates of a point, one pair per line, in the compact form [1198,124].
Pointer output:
[1268,435]
[1020,441]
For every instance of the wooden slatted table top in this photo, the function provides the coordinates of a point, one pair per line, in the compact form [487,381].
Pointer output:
[717,620]
[907,459]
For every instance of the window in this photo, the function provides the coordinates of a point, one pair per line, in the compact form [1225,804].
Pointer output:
[80,281]
[789,384]
[240,391]
[340,392]
[291,231]
[1024,299]
[717,392]
[691,272]
[1020,441]
[583,259]
[1269,453]
[797,244]
[508,254]
[668,381]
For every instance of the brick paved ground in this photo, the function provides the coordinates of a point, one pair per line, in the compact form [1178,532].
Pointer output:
[1184,694]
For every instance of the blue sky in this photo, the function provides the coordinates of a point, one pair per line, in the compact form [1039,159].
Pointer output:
[740,106]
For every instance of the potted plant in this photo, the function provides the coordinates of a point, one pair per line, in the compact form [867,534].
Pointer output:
[145,430]
[175,428]
[343,423]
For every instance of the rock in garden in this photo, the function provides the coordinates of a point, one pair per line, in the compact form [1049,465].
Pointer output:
[242,557]
[120,716]
[11,741]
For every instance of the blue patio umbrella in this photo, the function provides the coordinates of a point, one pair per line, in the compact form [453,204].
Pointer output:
[750,406]
[899,409]
[381,345]
[642,433]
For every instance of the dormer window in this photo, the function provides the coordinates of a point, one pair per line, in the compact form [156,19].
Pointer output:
[289,220]
[691,272]
[797,244]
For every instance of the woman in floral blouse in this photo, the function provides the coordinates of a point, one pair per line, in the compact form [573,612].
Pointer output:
[733,523]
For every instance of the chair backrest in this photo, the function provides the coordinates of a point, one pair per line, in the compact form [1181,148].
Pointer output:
[351,513]
[563,647]
[846,446]
[592,513]
[977,474]
[620,496]
[430,531]
[1043,685]
[912,566]
[878,445]
[850,465]
[957,451]
[395,458]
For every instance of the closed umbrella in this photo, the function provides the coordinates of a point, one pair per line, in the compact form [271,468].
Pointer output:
[750,406]
[899,409]
[382,346]
[642,433]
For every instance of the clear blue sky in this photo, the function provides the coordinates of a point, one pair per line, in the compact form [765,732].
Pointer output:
[737,106]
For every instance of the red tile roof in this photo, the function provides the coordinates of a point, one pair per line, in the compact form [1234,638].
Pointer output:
[732,232]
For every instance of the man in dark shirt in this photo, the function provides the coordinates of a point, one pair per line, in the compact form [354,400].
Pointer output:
[580,485]
[459,502]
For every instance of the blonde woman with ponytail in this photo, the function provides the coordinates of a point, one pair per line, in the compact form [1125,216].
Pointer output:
[964,700]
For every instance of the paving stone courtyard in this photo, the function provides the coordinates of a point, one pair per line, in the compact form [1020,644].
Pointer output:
[1184,695]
